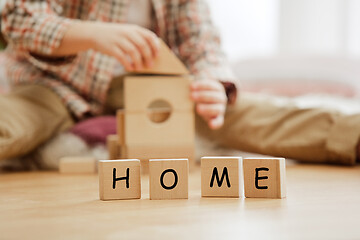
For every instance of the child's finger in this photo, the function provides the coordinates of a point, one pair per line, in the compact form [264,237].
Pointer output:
[153,41]
[143,47]
[121,57]
[130,49]
[210,110]
[206,85]
[217,122]
[208,96]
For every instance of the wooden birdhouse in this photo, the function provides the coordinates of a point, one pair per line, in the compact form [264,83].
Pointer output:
[158,116]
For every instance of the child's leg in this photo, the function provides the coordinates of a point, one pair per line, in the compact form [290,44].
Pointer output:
[310,135]
[29,116]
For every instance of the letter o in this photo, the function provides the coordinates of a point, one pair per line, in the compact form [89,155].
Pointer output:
[162,179]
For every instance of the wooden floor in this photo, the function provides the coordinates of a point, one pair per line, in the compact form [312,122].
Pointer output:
[323,203]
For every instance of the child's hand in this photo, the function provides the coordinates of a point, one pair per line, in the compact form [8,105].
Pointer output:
[210,99]
[133,46]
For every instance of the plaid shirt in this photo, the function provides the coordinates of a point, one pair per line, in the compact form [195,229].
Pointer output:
[82,81]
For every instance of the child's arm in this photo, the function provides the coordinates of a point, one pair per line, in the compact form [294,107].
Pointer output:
[36,27]
[200,49]
[113,39]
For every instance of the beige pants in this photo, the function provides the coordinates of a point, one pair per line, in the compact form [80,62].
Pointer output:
[32,114]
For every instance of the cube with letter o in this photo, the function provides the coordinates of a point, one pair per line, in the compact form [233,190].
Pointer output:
[168,178]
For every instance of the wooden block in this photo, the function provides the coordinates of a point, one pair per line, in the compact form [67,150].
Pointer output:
[221,176]
[165,63]
[114,149]
[77,165]
[264,177]
[141,91]
[155,132]
[178,130]
[168,178]
[159,115]
[120,127]
[119,179]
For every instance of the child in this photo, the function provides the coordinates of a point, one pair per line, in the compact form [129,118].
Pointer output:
[64,55]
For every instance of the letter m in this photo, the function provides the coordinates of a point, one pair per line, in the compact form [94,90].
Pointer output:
[219,180]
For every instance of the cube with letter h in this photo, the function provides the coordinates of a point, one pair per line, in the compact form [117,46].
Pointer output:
[264,177]
[221,176]
[119,179]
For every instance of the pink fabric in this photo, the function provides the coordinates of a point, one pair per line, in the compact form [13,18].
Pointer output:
[95,130]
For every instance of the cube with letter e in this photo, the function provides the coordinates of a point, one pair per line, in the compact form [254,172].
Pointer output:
[264,177]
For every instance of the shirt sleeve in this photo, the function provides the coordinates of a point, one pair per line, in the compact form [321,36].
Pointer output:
[34,26]
[230,90]
[199,43]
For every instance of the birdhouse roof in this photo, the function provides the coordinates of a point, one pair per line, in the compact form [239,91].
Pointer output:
[166,63]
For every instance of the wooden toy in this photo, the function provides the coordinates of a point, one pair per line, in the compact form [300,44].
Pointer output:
[158,117]
[264,177]
[114,149]
[77,165]
[166,63]
[119,179]
[168,178]
[221,177]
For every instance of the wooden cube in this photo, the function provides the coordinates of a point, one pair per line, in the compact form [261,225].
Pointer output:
[119,179]
[221,177]
[264,177]
[147,128]
[139,93]
[77,165]
[168,178]
[114,149]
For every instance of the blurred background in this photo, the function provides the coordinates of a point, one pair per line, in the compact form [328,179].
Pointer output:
[292,47]
[264,28]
